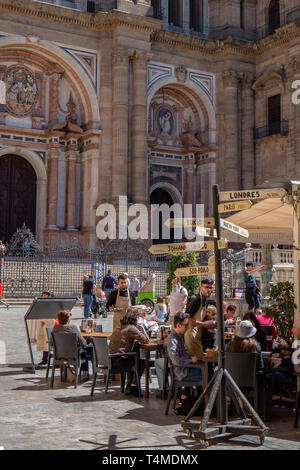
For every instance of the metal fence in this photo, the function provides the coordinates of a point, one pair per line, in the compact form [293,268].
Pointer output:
[61,271]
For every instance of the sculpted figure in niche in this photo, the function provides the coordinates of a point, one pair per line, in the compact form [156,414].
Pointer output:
[165,122]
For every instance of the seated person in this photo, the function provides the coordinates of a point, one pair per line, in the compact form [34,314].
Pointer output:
[290,363]
[260,336]
[178,354]
[64,325]
[146,326]
[160,310]
[265,320]
[229,317]
[244,341]
[123,340]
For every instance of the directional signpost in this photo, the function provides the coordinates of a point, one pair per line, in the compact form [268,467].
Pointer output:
[195,271]
[190,222]
[222,382]
[206,232]
[234,206]
[252,194]
[182,247]
[234,228]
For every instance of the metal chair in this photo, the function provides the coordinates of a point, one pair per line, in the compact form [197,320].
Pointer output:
[242,368]
[107,364]
[50,351]
[175,384]
[268,330]
[291,386]
[297,401]
[65,352]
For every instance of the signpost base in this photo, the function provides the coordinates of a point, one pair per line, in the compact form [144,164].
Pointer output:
[205,430]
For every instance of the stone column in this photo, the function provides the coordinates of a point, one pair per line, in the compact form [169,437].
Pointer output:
[232,179]
[139,128]
[120,124]
[52,169]
[71,189]
[53,97]
[248,150]
[165,10]
[296,239]
[186,15]
[188,190]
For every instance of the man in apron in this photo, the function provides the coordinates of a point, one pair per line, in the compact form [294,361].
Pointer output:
[120,300]
[197,310]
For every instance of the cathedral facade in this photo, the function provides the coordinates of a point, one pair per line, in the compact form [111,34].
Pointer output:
[153,100]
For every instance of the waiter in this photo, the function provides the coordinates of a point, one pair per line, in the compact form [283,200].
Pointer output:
[120,300]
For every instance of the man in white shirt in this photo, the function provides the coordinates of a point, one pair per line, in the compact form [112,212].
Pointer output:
[178,298]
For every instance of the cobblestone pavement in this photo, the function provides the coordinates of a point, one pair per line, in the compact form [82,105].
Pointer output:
[33,416]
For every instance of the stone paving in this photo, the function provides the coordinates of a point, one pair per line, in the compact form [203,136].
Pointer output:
[33,416]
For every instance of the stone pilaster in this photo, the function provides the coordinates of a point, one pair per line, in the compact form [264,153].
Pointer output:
[71,189]
[188,190]
[119,174]
[293,71]
[231,137]
[53,97]
[52,169]
[139,128]
[247,147]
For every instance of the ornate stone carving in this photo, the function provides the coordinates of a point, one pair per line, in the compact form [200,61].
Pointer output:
[181,74]
[21,90]
[230,78]
[120,56]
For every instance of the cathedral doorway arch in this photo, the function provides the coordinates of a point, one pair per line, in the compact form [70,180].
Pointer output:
[18,193]
[161,196]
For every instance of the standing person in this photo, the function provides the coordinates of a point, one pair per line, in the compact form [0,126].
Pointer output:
[178,298]
[2,253]
[128,280]
[120,300]
[108,283]
[160,310]
[197,312]
[87,294]
[134,288]
[252,291]
[41,334]
[27,246]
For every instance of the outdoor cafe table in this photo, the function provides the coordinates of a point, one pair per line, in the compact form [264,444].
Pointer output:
[87,336]
[153,345]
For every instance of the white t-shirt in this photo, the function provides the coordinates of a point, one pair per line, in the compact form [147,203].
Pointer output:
[176,299]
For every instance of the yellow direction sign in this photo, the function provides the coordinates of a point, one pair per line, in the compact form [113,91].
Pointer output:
[182,247]
[234,206]
[211,260]
[206,232]
[234,228]
[252,194]
[195,271]
[190,222]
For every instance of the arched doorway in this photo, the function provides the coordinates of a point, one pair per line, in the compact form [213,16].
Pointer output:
[161,196]
[17,195]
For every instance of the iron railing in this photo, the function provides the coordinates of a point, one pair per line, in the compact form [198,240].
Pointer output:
[281,127]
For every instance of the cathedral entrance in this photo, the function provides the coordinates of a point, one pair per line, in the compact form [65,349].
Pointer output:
[17,195]
[161,196]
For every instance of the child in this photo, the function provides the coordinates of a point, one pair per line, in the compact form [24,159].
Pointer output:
[160,310]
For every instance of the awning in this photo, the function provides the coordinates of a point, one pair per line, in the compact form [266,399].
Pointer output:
[268,221]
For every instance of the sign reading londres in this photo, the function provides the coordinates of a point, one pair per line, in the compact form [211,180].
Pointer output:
[252,194]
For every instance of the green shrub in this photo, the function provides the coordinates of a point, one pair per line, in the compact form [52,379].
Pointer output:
[183,260]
